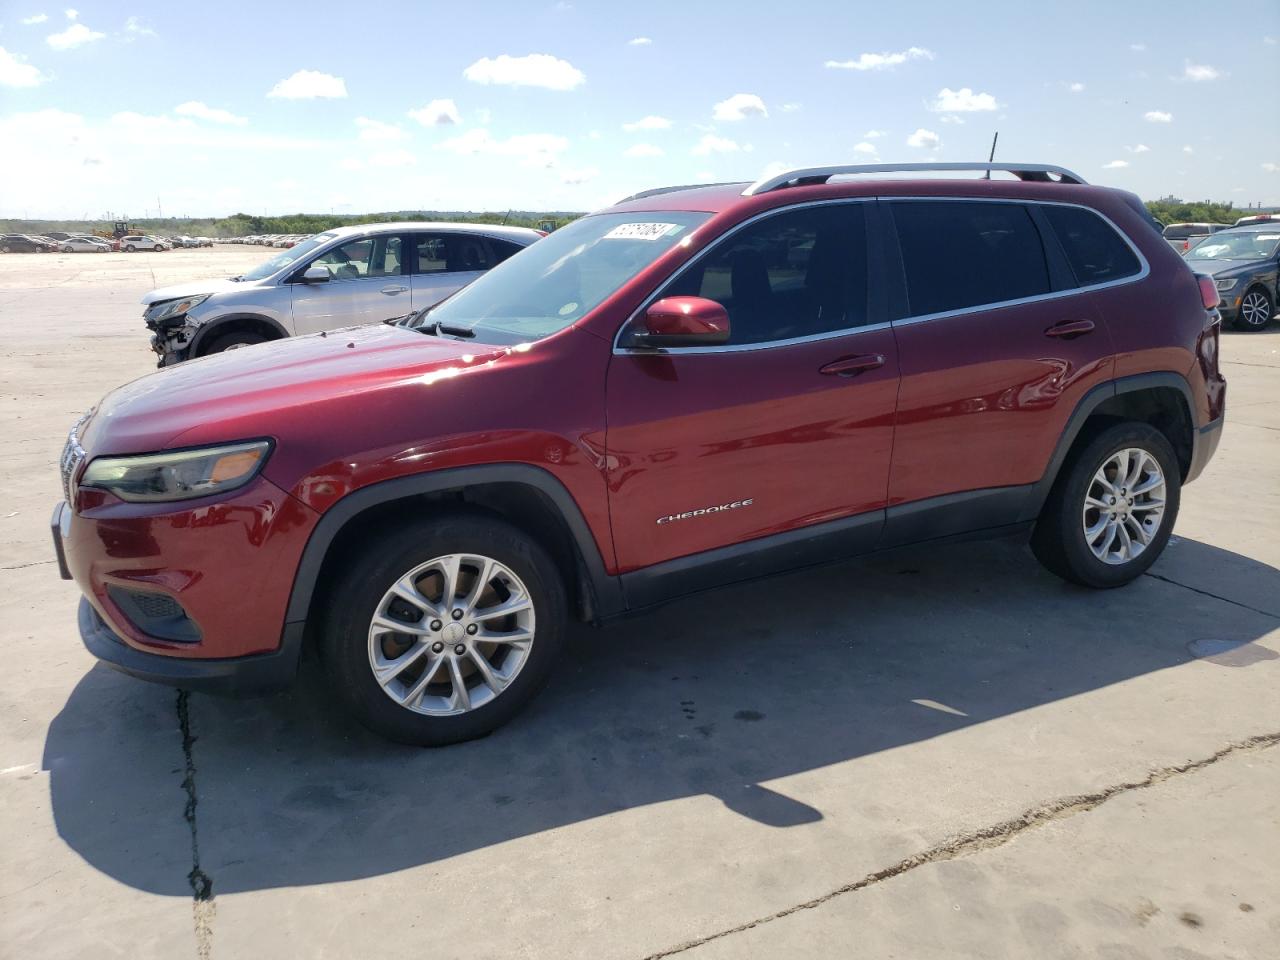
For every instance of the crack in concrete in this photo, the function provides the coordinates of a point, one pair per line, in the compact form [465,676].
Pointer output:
[1206,593]
[202,905]
[33,563]
[990,837]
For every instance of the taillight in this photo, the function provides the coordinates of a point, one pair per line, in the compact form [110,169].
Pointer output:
[1186,245]
[1208,291]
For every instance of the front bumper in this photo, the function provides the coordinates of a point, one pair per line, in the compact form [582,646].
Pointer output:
[232,676]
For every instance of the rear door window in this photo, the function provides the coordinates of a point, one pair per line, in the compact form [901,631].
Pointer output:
[453,253]
[958,254]
[1097,253]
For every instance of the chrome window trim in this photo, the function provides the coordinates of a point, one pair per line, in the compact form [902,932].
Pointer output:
[1142,274]
[739,347]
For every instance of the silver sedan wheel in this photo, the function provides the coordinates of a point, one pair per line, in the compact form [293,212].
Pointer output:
[451,634]
[1253,309]
[1124,506]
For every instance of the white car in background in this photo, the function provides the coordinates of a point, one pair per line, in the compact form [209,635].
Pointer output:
[84,245]
[143,241]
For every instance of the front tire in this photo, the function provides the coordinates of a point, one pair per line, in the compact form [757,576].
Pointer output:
[1112,508]
[442,630]
[233,340]
[1256,310]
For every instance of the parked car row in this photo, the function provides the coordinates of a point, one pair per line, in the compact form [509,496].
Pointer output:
[57,243]
[269,239]
[61,242]
[693,387]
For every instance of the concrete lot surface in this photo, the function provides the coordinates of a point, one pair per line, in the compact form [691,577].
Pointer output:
[944,752]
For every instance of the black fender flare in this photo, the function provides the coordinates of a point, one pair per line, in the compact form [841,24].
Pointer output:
[1085,408]
[213,327]
[606,589]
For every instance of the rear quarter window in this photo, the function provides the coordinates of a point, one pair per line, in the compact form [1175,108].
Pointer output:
[1096,252]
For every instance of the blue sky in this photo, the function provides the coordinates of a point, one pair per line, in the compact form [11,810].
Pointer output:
[273,108]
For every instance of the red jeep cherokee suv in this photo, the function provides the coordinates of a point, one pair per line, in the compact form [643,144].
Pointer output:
[696,386]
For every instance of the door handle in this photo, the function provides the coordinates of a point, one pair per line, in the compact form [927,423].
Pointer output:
[852,366]
[1069,329]
[392,291]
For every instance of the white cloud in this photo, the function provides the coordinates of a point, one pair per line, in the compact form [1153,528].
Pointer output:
[924,138]
[1138,47]
[135,26]
[952,118]
[378,130]
[194,108]
[392,158]
[647,123]
[309,85]
[76,35]
[535,149]
[1140,148]
[881,61]
[643,150]
[1115,165]
[739,107]
[16,72]
[710,143]
[73,14]
[574,177]
[864,148]
[1157,116]
[874,134]
[535,70]
[33,20]
[1269,41]
[790,107]
[1271,167]
[1199,72]
[441,113]
[1076,87]
[963,100]
[1187,149]
[639,42]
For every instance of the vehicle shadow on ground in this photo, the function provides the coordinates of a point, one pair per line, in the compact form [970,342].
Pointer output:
[712,695]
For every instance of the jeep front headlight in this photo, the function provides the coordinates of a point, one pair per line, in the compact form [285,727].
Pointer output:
[178,474]
[173,308]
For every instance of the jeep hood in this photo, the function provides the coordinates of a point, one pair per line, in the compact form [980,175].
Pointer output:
[194,288]
[285,386]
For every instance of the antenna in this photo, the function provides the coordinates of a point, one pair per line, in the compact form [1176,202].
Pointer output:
[992,157]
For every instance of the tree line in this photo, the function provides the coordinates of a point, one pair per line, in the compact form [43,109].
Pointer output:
[1166,210]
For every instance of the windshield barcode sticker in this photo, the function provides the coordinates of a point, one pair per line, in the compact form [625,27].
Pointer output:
[640,231]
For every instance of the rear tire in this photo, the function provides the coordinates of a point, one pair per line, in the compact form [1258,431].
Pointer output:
[67,249]
[230,341]
[1093,525]
[130,248]
[421,703]
[1256,310]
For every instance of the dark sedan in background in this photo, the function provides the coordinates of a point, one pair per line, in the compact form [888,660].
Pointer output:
[1244,263]
[22,243]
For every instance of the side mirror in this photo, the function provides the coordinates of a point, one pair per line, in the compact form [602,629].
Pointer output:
[315,275]
[682,322]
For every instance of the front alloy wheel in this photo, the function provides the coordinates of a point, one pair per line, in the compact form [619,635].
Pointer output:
[441,629]
[1255,310]
[451,634]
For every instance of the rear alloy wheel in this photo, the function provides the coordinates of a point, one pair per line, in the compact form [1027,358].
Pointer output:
[444,630]
[1112,508]
[68,249]
[1256,310]
[130,248]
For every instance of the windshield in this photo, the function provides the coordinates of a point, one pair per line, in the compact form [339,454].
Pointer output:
[1236,246]
[287,256]
[558,280]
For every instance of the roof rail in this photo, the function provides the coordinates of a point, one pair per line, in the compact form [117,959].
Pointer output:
[659,191]
[807,176]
